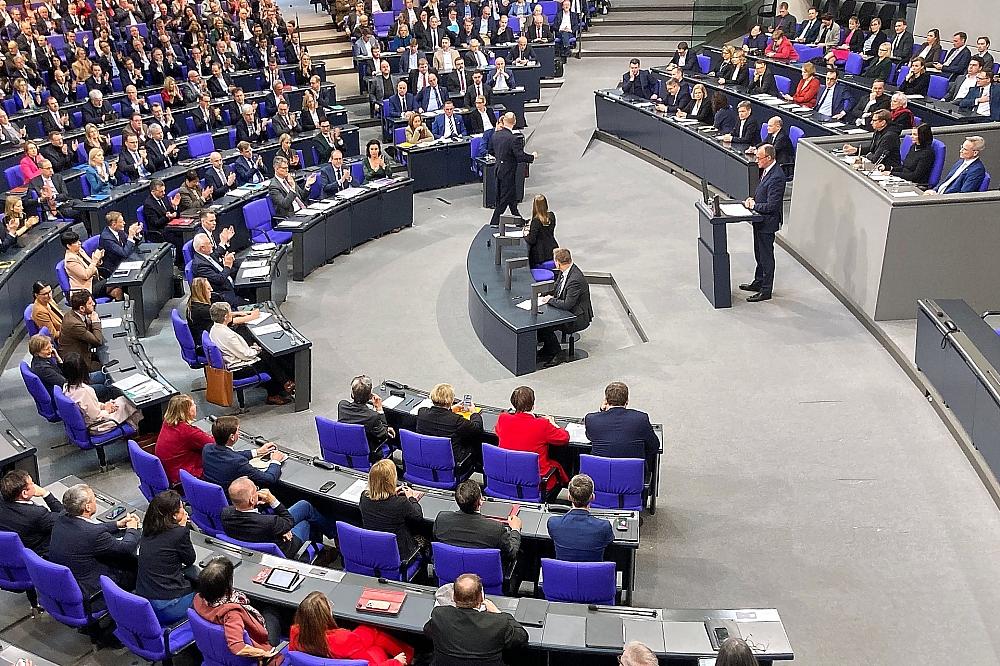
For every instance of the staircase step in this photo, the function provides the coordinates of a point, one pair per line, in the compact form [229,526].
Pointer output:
[643,32]
[665,17]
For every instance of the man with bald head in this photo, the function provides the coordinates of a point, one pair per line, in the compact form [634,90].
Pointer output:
[508,148]
[287,528]
[473,631]
[217,177]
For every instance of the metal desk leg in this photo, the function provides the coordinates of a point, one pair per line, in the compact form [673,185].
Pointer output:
[628,577]
[303,378]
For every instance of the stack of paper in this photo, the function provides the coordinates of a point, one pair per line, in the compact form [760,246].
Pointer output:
[254,263]
[577,432]
[256,272]
[350,193]
[353,492]
[426,402]
[138,386]
[129,265]
[392,401]
[265,330]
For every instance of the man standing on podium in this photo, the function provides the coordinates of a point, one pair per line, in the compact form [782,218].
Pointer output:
[767,202]
[508,148]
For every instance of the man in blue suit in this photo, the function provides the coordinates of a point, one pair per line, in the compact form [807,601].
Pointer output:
[215,174]
[637,81]
[334,176]
[116,242]
[248,167]
[957,60]
[222,465]
[432,96]
[968,173]
[401,104]
[619,432]
[979,96]
[767,202]
[577,535]
[835,102]
[449,124]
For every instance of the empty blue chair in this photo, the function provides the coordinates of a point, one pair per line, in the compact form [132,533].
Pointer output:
[807,53]
[186,341]
[938,87]
[303,659]
[514,23]
[78,432]
[542,274]
[116,144]
[430,461]
[783,83]
[211,641]
[29,323]
[346,444]
[139,630]
[60,595]
[44,402]
[155,99]
[450,562]
[14,575]
[579,582]
[357,173]
[91,244]
[704,63]
[207,500]
[188,272]
[383,21]
[232,137]
[257,217]
[763,131]
[901,75]
[794,134]
[512,475]
[904,145]
[214,356]
[986,182]
[200,144]
[149,469]
[372,553]
[13,176]
[618,482]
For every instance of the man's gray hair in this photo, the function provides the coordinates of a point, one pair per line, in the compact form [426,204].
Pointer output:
[246,108]
[279,161]
[900,98]
[219,311]
[96,95]
[637,654]
[978,143]
[75,499]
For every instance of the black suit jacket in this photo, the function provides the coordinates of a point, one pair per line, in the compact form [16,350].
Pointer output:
[115,252]
[473,530]
[508,148]
[474,122]
[49,372]
[128,166]
[31,522]
[244,132]
[575,297]
[201,125]
[467,636]
[158,159]
[765,85]
[376,427]
[884,148]
[644,86]
[49,123]
[917,166]
[155,213]
[466,434]
[36,185]
[92,550]
[784,152]
[221,281]
[470,94]
[678,101]
[98,116]
[219,185]
[704,115]
[750,134]
[258,527]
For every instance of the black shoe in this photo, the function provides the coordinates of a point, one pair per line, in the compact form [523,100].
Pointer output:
[753,286]
[556,360]
[759,296]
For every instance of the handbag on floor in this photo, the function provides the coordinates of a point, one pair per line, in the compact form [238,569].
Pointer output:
[219,386]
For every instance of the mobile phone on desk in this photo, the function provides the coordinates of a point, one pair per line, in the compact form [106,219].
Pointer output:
[467,401]
[377,604]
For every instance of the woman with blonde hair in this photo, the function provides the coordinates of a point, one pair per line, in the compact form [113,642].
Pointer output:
[199,303]
[179,443]
[386,508]
[92,138]
[171,93]
[316,633]
[541,236]
[13,211]
[98,174]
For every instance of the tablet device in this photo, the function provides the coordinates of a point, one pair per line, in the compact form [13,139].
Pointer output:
[282,579]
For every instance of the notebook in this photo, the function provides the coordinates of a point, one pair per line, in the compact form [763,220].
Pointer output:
[499,510]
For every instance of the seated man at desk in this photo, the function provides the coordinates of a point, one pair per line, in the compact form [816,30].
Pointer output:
[248,167]
[91,549]
[501,79]
[219,238]
[677,98]
[218,272]
[217,177]
[572,293]
[615,431]
[333,177]
[884,146]
[968,172]
[747,131]
[401,104]
[117,243]
[287,528]
[22,516]
[638,82]
[468,528]
[483,118]
[133,161]
[478,88]
[449,125]
[778,137]
[358,411]
[431,97]
[285,194]
[444,418]
[222,465]
[158,210]
[577,535]
[835,102]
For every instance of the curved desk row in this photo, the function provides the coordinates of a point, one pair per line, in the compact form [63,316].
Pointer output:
[401,403]
[276,335]
[302,478]
[556,631]
[147,277]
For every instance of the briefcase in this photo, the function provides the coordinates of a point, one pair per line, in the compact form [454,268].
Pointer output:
[218,386]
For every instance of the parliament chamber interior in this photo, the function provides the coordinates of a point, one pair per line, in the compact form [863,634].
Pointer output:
[497,332]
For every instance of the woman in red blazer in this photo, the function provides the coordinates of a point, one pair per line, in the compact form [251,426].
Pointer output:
[781,47]
[807,91]
[179,444]
[315,632]
[523,431]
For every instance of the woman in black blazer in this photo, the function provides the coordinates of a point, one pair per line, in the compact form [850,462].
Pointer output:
[311,115]
[930,50]
[165,550]
[737,74]
[725,117]
[541,236]
[879,68]
[919,162]
[699,108]
[386,508]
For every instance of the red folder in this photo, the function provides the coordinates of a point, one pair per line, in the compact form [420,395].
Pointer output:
[383,602]
[181,222]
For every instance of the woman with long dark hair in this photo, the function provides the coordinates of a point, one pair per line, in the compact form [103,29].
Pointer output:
[99,417]
[541,236]
[164,551]
[315,632]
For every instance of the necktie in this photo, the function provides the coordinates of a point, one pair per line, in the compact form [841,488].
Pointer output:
[423,80]
[339,175]
[451,123]
[461,82]
[437,96]
[163,151]
[434,38]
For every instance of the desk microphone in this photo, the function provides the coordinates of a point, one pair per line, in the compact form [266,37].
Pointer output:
[622,610]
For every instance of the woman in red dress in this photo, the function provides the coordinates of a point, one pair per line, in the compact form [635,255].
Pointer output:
[524,431]
[179,444]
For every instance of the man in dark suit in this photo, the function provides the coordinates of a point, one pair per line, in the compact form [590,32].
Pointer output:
[288,529]
[205,117]
[248,167]
[97,110]
[162,154]
[747,132]
[884,146]
[565,27]
[54,119]
[20,515]
[445,419]
[572,293]
[508,148]
[219,273]
[324,143]
[117,243]
[285,194]
[449,124]
[461,634]
[478,88]
[220,238]
[876,101]
[538,31]
[419,78]
[134,161]
[762,82]
[91,549]
[401,104]
[468,528]
[158,210]
[809,33]
[50,190]
[61,154]
[382,86]
[777,136]
[217,177]
[684,59]
[767,202]
[677,97]
[638,82]
[333,176]
[577,535]
[222,465]
[522,54]
[619,432]
[249,128]
[482,115]
[957,61]
[835,102]
[357,411]
[902,42]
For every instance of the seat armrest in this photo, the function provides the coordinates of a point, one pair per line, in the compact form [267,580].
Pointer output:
[168,631]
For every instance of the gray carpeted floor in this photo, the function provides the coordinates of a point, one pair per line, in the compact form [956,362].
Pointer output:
[802,471]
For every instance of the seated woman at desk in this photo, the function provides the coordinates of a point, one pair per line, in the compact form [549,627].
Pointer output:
[285,150]
[919,162]
[44,312]
[316,633]
[29,163]
[725,117]
[311,115]
[854,41]
[879,67]
[193,198]
[198,317]
[246,361]
[180,442]
[386,508]
[541,235]
[737,75]
[416,131]
[930,50]
[727,65]
[81,268]
[99,175]
[373,163]
[523,430]
[165,550]
[13,212]
[304,71]
[756,41]
[807,90]
[699,108]
[781,47]
[99,417]
[24,99]
[171,93]
[217,602]
[92,138]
